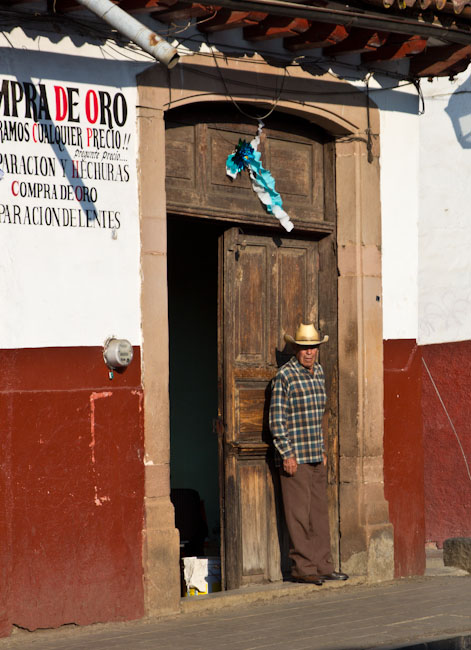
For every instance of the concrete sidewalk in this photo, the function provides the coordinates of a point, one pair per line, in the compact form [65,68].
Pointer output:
[346,616]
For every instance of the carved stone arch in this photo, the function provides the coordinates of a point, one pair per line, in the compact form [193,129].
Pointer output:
[366,535]
[320,114]
[333,104]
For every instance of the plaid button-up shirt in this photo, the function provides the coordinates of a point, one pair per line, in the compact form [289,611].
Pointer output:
[296,409]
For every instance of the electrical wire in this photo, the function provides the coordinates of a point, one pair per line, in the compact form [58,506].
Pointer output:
[136,55]
[293,91]
[104,33]
[418,87]
[228,94]
[297,61]
[369,142]
[190,23]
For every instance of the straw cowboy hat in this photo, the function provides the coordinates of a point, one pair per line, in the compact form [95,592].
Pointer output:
[306,335]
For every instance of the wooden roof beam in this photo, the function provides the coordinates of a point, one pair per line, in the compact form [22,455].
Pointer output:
[318,35]
[461,66]
[396,47]
[357,42]
[438,61]
[276,27]
[226,19]
[182,11]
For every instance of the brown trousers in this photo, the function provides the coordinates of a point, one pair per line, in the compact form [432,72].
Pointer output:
[307,518]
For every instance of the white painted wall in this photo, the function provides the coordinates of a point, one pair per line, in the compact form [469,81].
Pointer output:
[62,285]
[425,198]
[399,161]
[444,278]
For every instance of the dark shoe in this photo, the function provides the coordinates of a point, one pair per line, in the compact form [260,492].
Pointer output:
[311,580]
[335,575]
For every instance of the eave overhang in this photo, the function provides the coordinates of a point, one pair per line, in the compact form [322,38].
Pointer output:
[434,36]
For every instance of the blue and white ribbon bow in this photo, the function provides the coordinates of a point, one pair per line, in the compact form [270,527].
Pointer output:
[247,156]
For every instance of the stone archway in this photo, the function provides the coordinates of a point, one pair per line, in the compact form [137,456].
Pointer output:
[366,546]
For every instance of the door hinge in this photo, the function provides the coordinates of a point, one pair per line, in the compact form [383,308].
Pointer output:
[218,426]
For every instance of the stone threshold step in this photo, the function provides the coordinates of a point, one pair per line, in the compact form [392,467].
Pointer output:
[260,593]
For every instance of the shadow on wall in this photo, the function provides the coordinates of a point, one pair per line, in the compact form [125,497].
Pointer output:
[459,113]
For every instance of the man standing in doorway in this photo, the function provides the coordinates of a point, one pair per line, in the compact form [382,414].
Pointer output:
[296,417]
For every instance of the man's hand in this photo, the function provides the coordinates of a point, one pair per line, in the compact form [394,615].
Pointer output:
[290,465]
[324,458]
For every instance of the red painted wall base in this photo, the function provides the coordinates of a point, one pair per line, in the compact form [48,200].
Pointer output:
[403,454]
[447,479]
[427,446]
[71,489]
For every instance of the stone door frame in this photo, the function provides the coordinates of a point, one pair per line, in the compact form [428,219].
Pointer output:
[366,543]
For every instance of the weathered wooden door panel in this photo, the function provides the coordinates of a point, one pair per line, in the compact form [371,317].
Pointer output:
[251,297]
[296,152]
[253,500]
[217,155]
[248,368]
[269,285]
[251,417]
[297,285]
[297,164]
[181,168]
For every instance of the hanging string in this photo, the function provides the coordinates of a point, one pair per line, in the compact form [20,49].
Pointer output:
[449,418]
[228,94]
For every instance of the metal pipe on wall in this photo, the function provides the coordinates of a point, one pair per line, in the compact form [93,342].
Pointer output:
[134,30]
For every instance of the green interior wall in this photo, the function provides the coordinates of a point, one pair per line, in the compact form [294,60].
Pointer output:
[192,291]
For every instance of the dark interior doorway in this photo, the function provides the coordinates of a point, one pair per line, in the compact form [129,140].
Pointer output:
[192,314]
